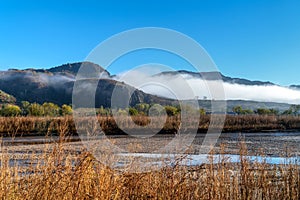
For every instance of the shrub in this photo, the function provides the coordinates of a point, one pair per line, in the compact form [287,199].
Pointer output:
[66,110]
[35,109]
[133,112]
[171,110]
[50,109]
[10,110]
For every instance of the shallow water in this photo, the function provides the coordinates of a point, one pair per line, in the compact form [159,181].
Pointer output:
[194,160]
[278,148]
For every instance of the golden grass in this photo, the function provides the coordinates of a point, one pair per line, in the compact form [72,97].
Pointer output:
[61,174]
[18,126]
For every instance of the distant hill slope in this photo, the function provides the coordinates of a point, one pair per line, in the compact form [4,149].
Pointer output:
[6,98]
[56,85]
[252,105]
[73,68]
[215,76]
[297,87]
[69,69]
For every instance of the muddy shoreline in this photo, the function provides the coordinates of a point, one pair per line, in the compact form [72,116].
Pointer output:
[266,143]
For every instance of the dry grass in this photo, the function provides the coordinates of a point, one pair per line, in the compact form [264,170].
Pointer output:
[23,126]
[61,174]
[260,122]
[18,126]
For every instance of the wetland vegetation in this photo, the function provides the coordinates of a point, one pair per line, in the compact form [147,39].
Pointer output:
[58,170]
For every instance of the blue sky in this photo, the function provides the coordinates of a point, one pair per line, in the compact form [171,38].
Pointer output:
[257,39]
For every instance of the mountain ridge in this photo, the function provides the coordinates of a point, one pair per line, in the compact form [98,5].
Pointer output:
[56,84]
[215,75]
[72,69]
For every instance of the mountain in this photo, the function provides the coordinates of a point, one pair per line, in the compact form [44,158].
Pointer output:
[202,85]
[74,67]
[296,87]
[104,92]
[70,69]
[213,76]
[251,105]
[56,85]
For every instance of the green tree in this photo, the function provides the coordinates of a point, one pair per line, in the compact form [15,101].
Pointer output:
[133,111]
[142,108]
[66,110]
[35,109]
[238,110]
[293,110]
[263,111]
[25,108]
[171,110]
[10,110]
[287,112]
[247,111]
[50,109]
[274,111]
[202,111]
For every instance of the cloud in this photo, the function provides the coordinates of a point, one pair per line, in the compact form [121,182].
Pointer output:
[49,79]
[176,86]
[54,80]
[188,87]
[269,93]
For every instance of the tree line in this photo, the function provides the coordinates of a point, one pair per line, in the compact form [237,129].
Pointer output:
[35,109]
[293,110]
[53,110]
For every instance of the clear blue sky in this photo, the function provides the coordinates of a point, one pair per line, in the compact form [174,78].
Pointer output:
[255,39]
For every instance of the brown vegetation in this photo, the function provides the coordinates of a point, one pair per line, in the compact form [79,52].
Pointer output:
[61,174]
[258,123]
[17,126]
